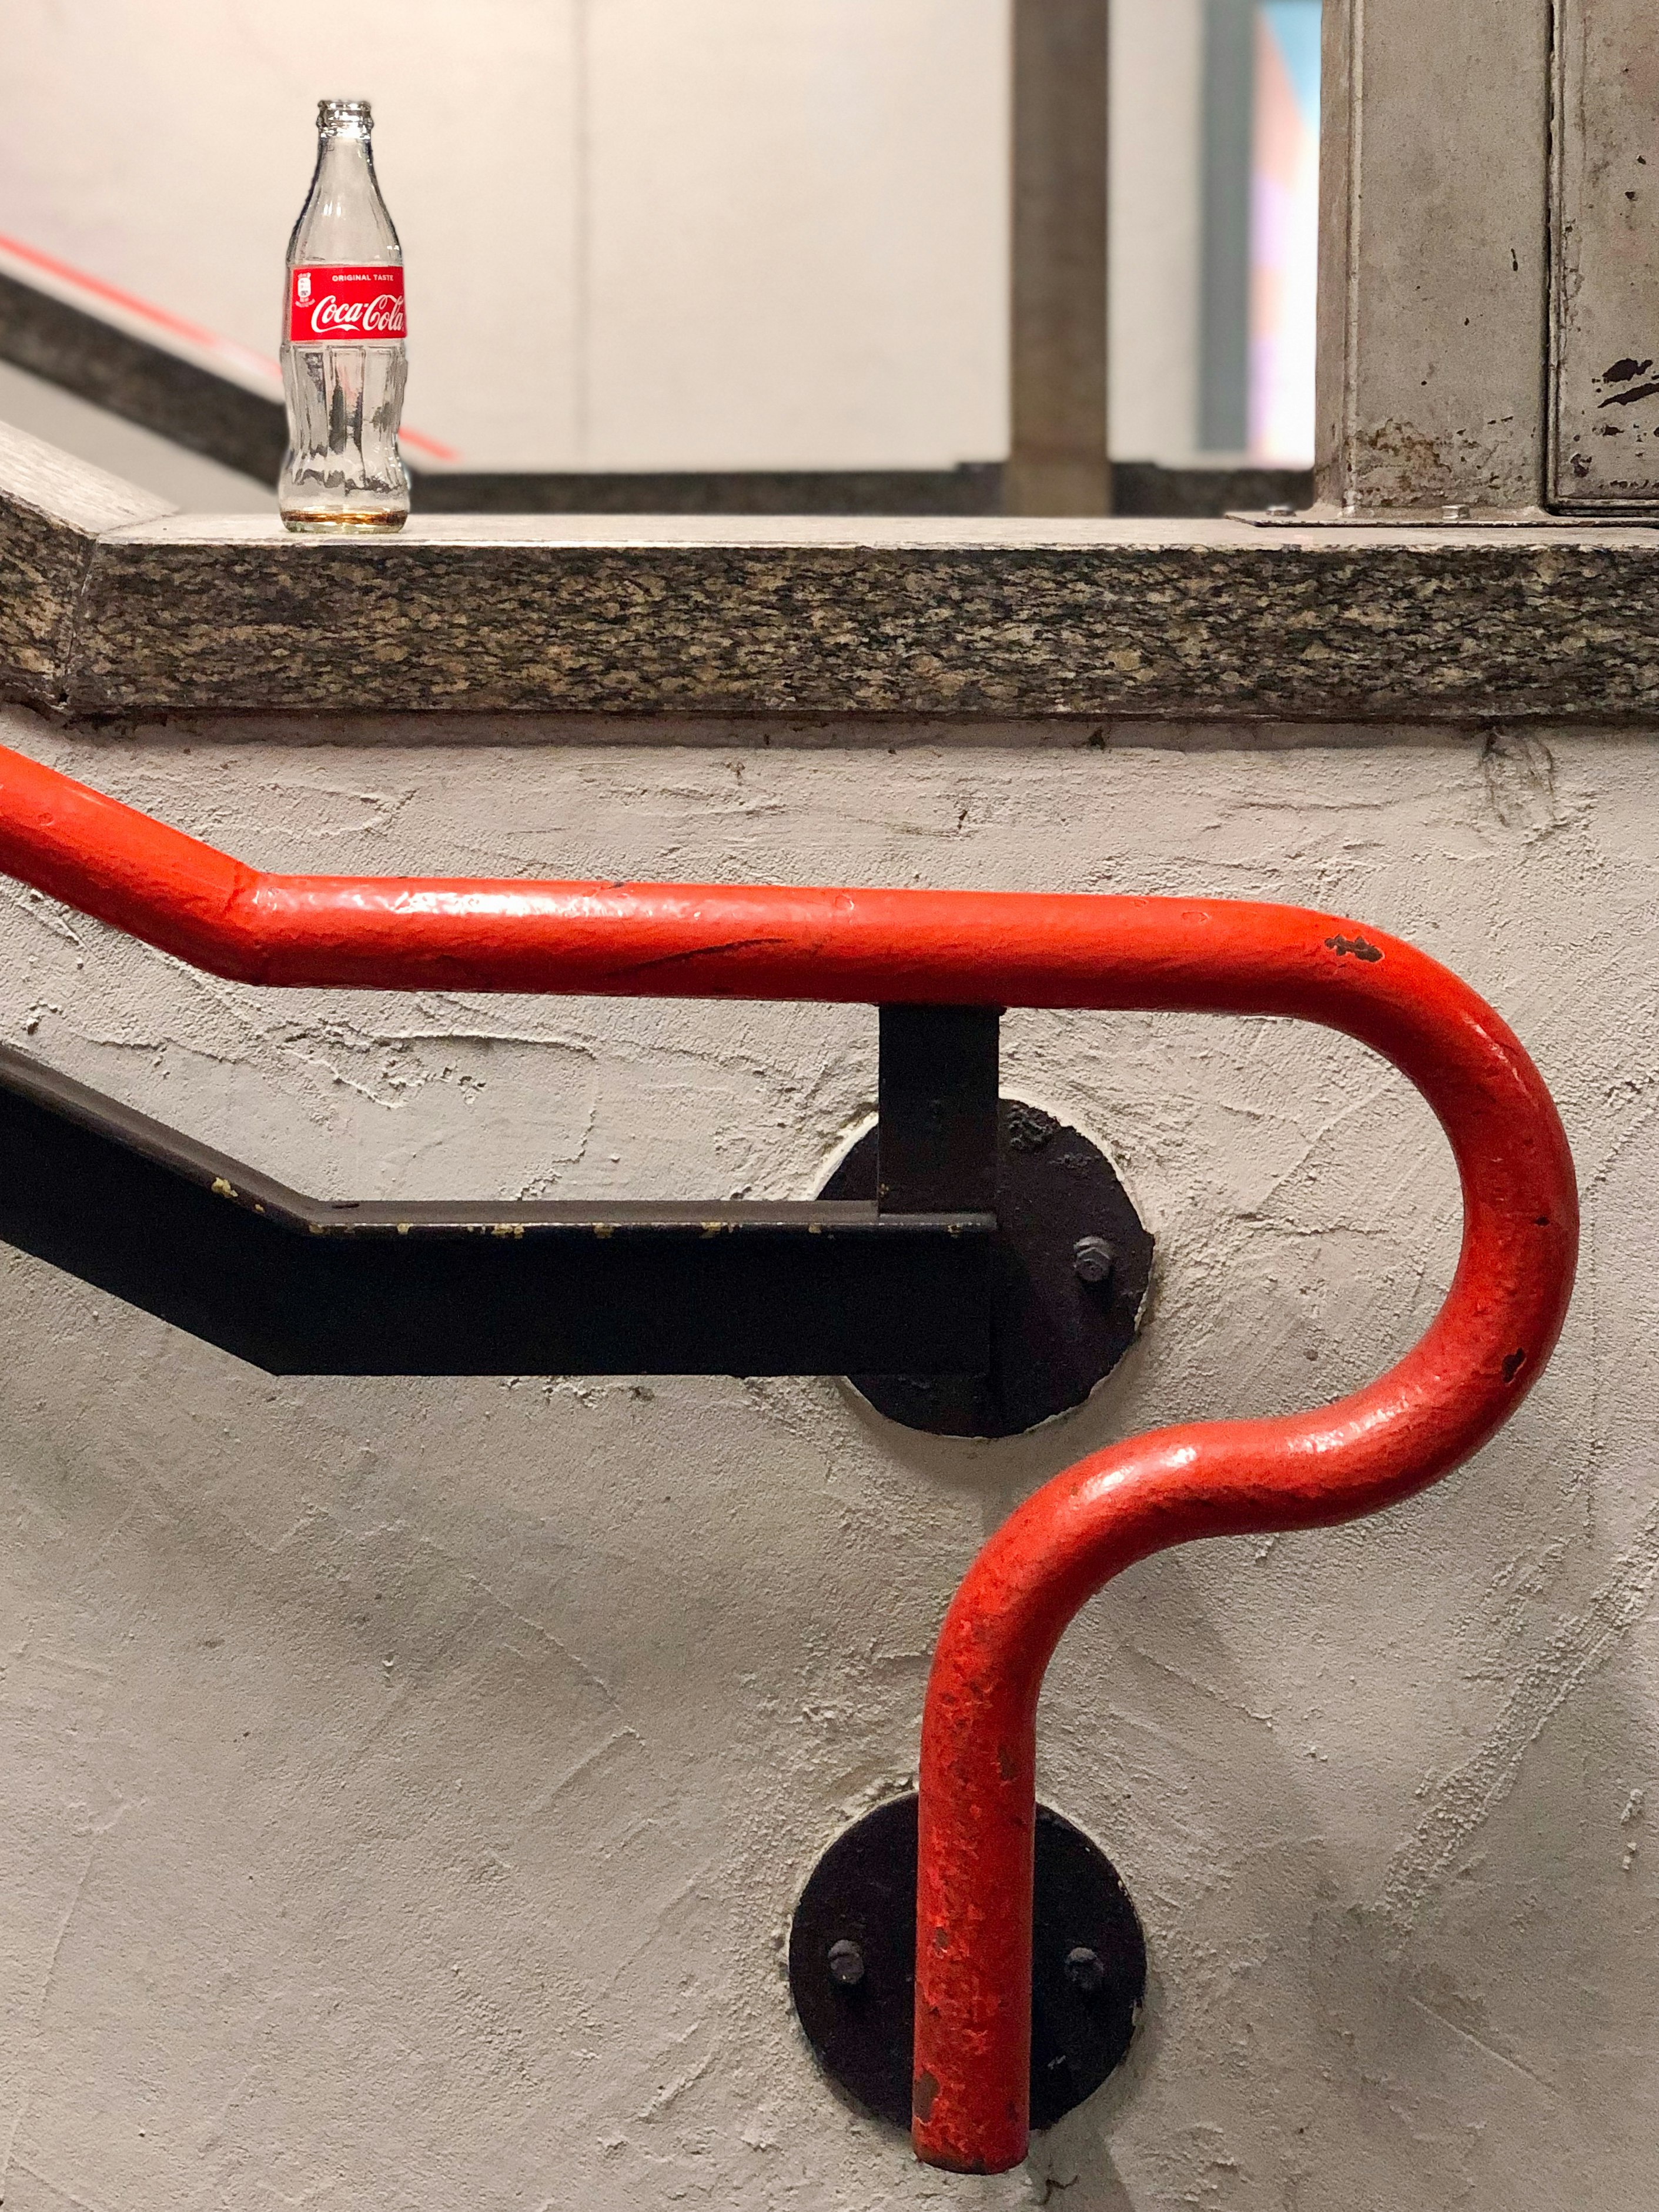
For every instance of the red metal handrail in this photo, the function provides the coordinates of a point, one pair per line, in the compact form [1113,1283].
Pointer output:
[1444,1398]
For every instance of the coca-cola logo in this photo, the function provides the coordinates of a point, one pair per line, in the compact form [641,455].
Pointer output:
[380,317]
[332,304]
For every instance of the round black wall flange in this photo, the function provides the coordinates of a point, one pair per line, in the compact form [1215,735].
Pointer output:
[852,1964]
[1070,1267]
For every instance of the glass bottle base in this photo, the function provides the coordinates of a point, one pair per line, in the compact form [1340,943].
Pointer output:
[342,521]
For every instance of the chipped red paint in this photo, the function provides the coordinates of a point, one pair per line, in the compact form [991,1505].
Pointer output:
[1487,1347]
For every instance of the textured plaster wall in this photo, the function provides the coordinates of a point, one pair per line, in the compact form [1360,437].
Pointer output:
[406,1784]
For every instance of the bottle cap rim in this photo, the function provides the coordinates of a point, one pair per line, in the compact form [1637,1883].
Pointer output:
[344,115]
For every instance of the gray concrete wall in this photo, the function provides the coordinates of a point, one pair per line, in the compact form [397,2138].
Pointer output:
[407,1784]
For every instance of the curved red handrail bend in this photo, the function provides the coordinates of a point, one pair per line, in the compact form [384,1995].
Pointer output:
[1441,1402]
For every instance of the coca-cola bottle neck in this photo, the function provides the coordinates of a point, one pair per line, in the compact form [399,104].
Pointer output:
[345,218]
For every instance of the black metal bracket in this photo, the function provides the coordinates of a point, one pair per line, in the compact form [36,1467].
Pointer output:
[895,1282]
[1069,1268]
[852,1950]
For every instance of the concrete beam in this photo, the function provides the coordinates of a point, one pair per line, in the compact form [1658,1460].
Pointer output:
[1059,461]
[113,606]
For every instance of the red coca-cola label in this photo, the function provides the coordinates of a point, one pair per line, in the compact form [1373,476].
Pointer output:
[345,307]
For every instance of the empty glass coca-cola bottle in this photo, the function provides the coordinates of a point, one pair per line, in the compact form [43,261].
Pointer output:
[344,363]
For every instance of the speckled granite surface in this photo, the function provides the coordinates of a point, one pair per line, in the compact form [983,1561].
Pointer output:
[742,616]
[52,510]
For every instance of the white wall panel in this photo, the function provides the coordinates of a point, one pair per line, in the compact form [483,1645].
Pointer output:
[640,233]
[651,233]
[799,232]
[166,146]
[1156,166]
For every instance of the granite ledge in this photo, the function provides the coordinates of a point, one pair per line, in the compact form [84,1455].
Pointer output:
[142,613]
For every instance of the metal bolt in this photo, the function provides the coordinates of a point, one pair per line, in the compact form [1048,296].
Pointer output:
[1094,1260]
[1085,1969]
[846,1963]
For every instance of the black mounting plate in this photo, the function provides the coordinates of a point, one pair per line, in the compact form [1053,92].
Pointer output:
[1055,1334]
[1088,1964]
